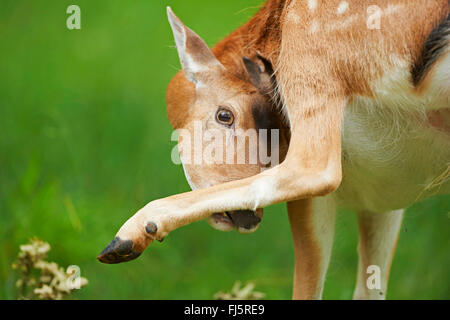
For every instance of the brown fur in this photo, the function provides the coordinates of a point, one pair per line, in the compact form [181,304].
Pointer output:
[263,34]
[306,249]
[321,61]
[317,72]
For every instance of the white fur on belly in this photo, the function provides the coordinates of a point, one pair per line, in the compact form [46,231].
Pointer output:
[392,156]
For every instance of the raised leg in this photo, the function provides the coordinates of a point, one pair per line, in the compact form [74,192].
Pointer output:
[312,226]
[378,234]
[314,104]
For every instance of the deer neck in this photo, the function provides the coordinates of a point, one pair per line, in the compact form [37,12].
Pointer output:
[253,37]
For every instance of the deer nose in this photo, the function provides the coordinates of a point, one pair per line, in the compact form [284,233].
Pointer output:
[118,251]
[245,220]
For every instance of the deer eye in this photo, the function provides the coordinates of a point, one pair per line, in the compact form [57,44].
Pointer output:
[225,117]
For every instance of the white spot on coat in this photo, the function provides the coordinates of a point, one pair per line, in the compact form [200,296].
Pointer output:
[312,5]
[342,8]
[314,26]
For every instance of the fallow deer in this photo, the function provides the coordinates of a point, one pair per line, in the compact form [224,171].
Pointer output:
[365,119]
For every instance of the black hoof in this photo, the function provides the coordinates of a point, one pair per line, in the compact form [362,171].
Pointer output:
[151,228]
[246,219]
[118,251]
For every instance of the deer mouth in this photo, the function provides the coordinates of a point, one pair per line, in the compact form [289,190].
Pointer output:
[245,221]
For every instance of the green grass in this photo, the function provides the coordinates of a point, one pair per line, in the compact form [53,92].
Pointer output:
[85,142]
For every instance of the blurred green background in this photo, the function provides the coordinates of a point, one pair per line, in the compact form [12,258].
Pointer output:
[85,142]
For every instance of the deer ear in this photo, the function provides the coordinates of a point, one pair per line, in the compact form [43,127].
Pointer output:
[195,55]
[260,73]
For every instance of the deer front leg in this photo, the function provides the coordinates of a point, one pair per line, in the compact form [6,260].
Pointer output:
[312,226]
[314,104]
[378,234]
[312,168]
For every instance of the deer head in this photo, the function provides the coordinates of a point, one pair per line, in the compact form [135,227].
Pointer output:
[228,127]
